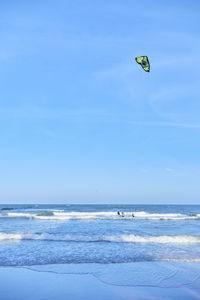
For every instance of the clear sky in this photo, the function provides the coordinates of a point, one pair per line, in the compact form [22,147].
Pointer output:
[80,121]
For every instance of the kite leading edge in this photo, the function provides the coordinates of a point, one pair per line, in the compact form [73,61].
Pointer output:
[144,62]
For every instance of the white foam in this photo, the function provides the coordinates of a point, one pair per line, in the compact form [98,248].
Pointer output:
[131,238]
[165,239]
[64,216]
[181,259]
[17,236]
[26,215]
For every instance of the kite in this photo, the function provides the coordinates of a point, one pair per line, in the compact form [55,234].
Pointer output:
[144,62]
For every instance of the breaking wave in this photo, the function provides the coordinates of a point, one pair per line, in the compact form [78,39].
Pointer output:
[65,216]
[131,238]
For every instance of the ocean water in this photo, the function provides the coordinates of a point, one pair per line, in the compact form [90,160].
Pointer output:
[95,237]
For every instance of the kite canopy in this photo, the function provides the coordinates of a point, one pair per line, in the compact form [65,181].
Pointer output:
[144,62]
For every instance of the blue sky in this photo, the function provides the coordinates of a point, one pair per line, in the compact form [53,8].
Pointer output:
[80,121]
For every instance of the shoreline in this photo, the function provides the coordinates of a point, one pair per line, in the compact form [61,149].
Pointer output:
[50,282]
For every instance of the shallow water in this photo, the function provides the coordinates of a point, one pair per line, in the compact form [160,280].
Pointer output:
[57,234]
[159,246]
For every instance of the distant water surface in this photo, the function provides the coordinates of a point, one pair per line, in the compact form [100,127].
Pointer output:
[62,234]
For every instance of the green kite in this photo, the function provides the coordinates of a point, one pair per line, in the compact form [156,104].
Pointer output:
[144,62]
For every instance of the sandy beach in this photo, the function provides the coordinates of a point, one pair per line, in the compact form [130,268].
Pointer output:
[18,283]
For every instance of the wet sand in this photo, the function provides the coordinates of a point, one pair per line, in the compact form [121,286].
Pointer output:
[18,283]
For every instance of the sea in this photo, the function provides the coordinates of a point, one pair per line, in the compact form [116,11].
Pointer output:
[124,240]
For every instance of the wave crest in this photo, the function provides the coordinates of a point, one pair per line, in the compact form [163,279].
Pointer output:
[131,238]
[65,216]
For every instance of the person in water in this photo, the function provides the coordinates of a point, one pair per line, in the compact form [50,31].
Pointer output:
[133,215]
[120,214]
